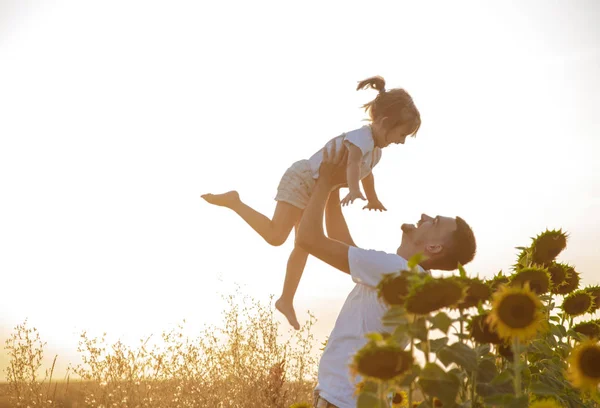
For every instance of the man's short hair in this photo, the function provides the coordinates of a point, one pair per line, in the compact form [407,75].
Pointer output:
[459,248]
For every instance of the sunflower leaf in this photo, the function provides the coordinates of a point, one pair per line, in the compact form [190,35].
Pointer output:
[395,316]
[488,390]
[461,270]
[539,388]
[436,344]
[367,400]
[435,382]
[502,378]
[415,260]
[418,329]
[483,349]
[441,321]
[507,400]
[460,354]
[558,330]
[486,370]
[410,376]
[376,337]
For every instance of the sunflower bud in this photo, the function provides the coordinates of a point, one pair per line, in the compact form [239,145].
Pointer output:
[434,294]
[578,303]
[381,361]
[538,279]
[546,246]
[571,282]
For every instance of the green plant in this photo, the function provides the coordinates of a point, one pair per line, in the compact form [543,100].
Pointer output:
[518,348]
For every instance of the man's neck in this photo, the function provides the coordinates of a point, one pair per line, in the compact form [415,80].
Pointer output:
[406,252]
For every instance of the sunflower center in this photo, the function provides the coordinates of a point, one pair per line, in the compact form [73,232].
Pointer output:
[517,311]
[590,362]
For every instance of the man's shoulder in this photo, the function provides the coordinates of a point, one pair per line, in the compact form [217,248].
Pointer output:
[375,256]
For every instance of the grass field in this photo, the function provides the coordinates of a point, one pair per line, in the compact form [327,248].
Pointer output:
[245,363]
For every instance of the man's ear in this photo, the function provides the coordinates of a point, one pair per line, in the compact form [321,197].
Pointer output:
[434,249]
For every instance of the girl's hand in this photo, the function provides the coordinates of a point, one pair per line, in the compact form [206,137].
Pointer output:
[352,195]
[375,205]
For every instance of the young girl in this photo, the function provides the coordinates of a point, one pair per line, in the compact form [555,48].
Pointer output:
[393,115]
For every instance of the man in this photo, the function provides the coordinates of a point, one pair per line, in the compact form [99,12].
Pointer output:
[444,241]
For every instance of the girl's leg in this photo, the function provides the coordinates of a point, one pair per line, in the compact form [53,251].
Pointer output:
[295,267]
[275,231]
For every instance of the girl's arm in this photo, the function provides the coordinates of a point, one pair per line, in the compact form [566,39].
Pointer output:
[373,201]
[353,174]
[368,184]
[353,168]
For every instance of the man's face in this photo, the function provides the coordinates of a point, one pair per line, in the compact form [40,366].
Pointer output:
[429,234]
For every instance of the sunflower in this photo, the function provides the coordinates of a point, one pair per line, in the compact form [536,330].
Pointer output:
[400,399]
[545,403]
[577,303]
[394,288]
[381,361]
[595,292]
[538,279]
[571,282]
[584,365]
[558,274]
[477,291]
[589,329]
[546,246]
[516,313]
[434,294]
[481,331]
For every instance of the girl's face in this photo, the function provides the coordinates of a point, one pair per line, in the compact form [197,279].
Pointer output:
[396,135]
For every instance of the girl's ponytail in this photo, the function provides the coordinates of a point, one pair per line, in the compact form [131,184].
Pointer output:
[376,82]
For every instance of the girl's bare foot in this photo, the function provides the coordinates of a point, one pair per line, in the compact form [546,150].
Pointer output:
[288,311]
[228,199]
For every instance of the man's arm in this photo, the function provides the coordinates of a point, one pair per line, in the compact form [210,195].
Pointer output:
[311,236]
[337,228]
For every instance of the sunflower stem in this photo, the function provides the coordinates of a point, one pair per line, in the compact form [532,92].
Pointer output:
[381,387]
[562,323]
[568,335]
[427,349]
[473,384]
[516,367]
[461,326]
[410,386]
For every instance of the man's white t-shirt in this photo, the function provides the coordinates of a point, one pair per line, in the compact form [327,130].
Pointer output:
[361,138]
[361,314]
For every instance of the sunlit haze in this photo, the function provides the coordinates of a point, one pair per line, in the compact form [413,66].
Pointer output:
[115,116]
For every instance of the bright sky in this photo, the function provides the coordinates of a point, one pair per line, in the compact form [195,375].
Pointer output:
[115,116]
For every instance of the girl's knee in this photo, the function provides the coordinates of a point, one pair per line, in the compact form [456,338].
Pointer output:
[278,239]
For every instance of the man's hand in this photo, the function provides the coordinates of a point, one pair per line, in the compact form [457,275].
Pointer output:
[333,166]
[375,205]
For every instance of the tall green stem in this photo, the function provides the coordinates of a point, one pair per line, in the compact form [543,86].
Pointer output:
[410,386]
[516,366]
[461,325]
[381,387]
